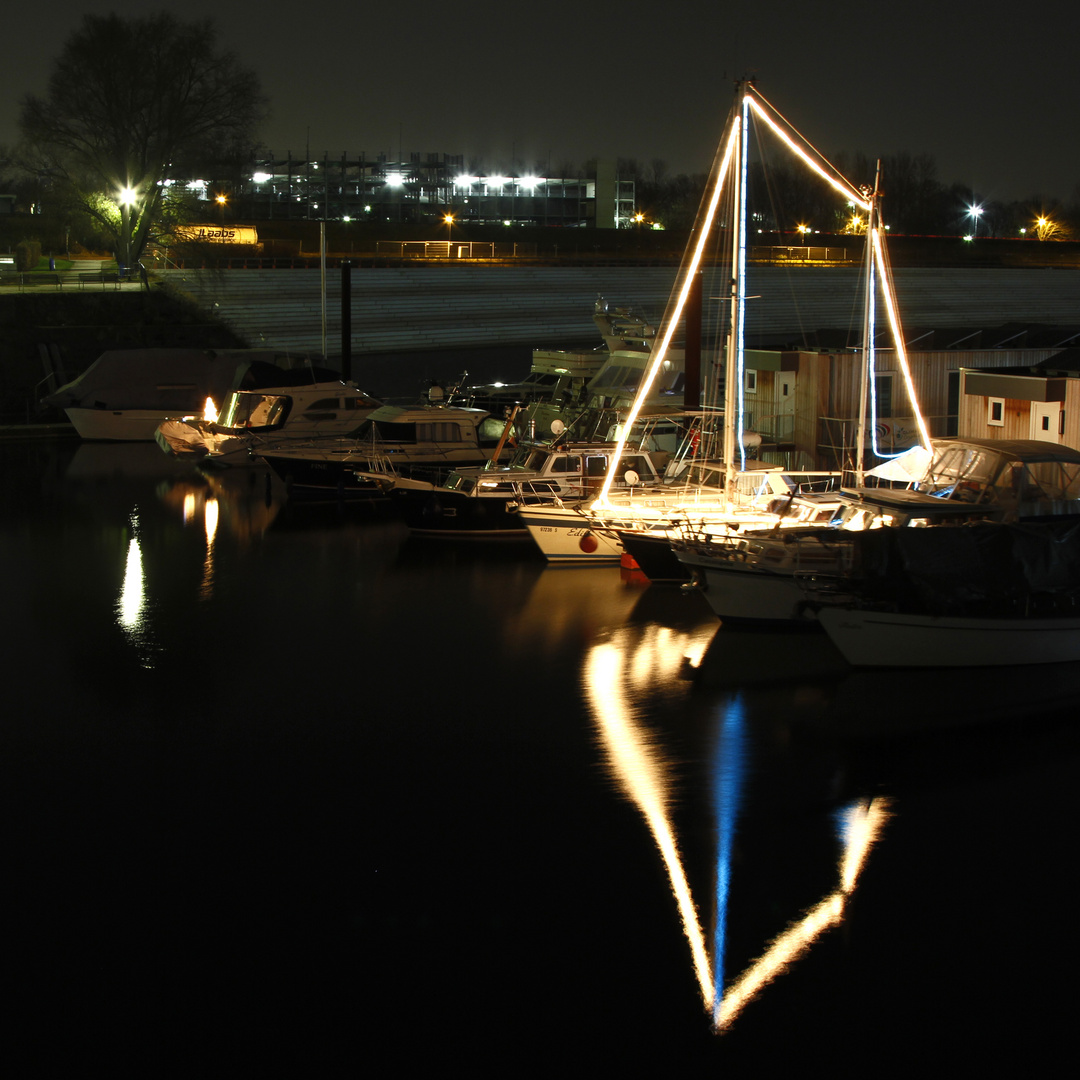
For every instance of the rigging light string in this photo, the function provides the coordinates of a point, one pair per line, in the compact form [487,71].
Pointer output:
[676,313]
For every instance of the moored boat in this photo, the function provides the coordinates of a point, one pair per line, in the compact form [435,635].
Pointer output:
[423,442]
[871,638]
[126,393]
[776,575]
[482,503]
[271,408]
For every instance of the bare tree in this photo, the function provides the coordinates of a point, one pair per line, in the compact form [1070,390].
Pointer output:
[131,105]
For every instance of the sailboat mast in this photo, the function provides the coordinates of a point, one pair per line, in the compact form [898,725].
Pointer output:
[869,329]
[733,367]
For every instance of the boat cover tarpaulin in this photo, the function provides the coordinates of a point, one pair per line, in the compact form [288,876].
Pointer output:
[987,568]
[164,379]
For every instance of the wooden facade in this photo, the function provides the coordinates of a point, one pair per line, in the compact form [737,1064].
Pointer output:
[806,404]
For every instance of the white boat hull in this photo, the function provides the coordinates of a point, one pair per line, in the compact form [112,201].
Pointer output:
[884,639]
[117,425]
[565,535]
[737,593]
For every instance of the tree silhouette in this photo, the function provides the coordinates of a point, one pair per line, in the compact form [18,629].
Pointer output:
[131,105]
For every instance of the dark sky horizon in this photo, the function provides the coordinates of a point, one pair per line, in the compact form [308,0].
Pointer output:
[566,82]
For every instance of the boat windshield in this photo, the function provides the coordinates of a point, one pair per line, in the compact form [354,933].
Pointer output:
[1046,481]
[243,409]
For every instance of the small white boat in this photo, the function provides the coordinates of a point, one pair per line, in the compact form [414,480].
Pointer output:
[126,394]
[273,408]
[868,638]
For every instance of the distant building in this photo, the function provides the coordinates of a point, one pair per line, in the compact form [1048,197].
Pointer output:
[424,190]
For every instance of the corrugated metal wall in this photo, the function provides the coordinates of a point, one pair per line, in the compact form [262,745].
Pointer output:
[415,308]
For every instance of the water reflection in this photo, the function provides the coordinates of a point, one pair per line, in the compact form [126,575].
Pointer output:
[622,672]
[131,607]
[860,824]
[616,671]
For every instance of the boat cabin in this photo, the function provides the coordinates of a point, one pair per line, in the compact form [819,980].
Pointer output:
[969,479]
[543,469]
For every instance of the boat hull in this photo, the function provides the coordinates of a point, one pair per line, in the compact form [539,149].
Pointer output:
[565,535]
[116,425]
[653,555]
[886,639]
[454,515]
[737,593]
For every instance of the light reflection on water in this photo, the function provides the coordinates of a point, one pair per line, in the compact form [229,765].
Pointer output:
[473,706]
[617,671]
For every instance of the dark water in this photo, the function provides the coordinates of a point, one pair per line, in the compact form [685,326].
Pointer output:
[295,794]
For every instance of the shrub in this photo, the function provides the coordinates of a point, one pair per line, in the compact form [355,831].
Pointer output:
[27,254]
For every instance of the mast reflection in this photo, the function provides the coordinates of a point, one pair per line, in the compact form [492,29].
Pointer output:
[619,675]
[612,670]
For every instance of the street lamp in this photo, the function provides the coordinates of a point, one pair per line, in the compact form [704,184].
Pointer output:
[803,230]
[449,219]
[221,201]
[128,199]
[975,212]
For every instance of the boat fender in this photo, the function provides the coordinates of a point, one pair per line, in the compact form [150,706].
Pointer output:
[588,543]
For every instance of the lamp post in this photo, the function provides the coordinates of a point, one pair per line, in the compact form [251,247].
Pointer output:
[128,199]
[221,201]
[975,212]
[449,219]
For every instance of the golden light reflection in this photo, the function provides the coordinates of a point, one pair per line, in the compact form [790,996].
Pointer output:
[210,513]
[631,664]
[862,824]
[132,594]
[612,669]
[131,603]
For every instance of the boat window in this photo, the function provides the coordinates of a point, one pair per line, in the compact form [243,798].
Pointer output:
[247,410]
[391,432]
[325,403]
[441,433]
[596,465]
[1049,480]
[566,463]
[639,464]
[457,482]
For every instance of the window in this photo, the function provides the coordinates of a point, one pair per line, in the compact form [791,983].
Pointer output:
[751,381]
[995,411]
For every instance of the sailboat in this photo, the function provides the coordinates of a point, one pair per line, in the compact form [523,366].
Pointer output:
[741,498]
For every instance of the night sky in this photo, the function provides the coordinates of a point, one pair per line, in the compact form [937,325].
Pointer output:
[987,90]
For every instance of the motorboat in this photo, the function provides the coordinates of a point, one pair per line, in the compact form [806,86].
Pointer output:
[485,502]
[422,442]
[777,575]
[991,595]
[270,409]
[125,394]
